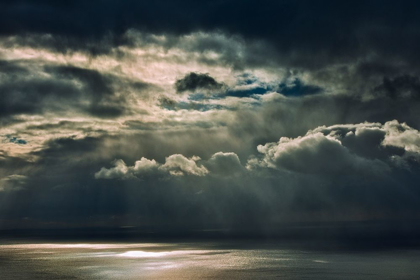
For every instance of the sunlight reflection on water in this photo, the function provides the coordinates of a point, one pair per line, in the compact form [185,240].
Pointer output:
[143,254]
[81,246]
[193,261]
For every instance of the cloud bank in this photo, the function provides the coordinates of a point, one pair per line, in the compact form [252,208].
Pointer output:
[199,118]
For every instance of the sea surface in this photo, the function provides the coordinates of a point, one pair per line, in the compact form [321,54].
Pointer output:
[201,260]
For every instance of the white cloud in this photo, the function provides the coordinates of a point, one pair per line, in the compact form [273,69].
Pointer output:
[313,153]
[402,136]
[348,149]
[120,170]
[175,165]
[179,165]
[145,166]
[340,149]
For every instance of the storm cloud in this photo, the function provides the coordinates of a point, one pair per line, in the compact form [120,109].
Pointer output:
[197,81]
[217,114]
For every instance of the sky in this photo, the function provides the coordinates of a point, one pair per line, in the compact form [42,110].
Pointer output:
[209,114]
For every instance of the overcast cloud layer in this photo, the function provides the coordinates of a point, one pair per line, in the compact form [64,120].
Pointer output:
[215,114]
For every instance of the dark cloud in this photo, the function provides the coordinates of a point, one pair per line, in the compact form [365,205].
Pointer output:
[58,125]
[12,69]
[246,93]
[297,88]
[309,34]
[405,86]
[327,78]
[194,105]
[293,117]
[63,88]
[167,102]
[197,81]
[351,46]
[103,102]
[63,188]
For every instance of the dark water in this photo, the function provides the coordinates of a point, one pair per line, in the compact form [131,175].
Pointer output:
[204,260]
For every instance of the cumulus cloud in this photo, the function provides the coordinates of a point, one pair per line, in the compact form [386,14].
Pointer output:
[366,148]
[175,165]
[219,164]
[120,170]
[179,165]
[225,164]
[145,166]
[314,153]
[361,181]
[402,136]
[142,167]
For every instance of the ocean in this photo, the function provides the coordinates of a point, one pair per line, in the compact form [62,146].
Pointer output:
[202,260]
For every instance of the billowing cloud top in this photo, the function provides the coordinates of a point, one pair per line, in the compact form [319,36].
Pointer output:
[202,118]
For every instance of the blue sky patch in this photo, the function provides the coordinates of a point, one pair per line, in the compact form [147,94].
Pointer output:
[16,140]
[247,93]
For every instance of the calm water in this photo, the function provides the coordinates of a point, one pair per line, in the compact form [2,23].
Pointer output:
[200,261]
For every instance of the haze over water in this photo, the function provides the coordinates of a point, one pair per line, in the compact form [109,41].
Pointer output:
[202,260]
